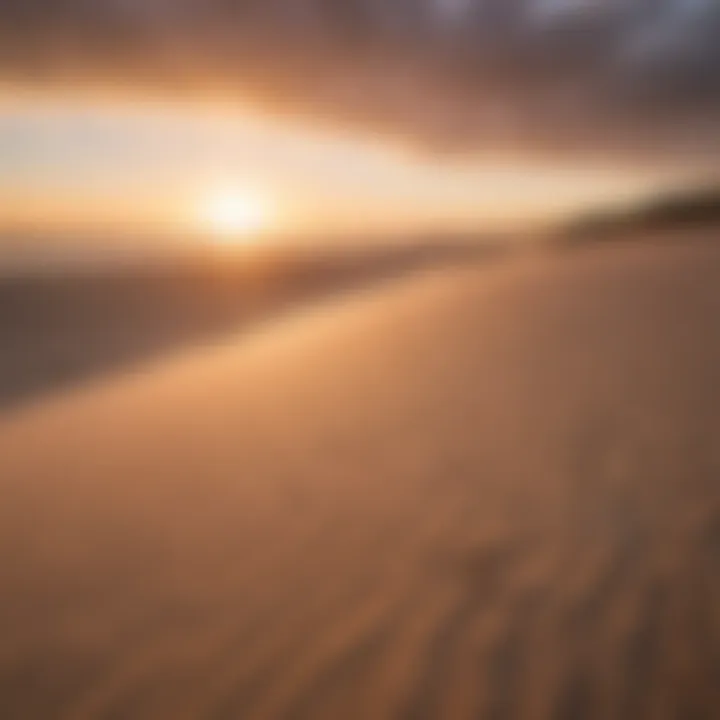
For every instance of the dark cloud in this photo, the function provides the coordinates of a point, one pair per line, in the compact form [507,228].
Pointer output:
[626,76]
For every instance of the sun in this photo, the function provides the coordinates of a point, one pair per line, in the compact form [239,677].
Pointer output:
[235,213]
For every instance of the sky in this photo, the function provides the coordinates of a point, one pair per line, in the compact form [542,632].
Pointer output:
[347,114]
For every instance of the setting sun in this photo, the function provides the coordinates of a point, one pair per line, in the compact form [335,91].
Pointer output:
[235,212]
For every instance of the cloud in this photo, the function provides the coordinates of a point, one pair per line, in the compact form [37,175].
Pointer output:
[623,76]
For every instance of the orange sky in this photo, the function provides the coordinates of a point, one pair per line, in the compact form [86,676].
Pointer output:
[81,161]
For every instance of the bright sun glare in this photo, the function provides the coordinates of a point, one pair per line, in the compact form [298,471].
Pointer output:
[234,214]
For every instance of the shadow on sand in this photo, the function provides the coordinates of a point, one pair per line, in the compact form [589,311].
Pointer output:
[61,329]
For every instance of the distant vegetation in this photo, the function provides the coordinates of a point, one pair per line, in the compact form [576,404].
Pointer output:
[688,208]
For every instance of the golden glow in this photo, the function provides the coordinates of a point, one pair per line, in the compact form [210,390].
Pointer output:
[235,174]
[233,214]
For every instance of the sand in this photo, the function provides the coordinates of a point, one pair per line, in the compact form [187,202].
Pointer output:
[473,493]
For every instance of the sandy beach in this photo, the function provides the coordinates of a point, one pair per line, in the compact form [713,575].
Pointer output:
[474,492]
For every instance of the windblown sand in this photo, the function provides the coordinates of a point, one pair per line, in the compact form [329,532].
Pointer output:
[479,493]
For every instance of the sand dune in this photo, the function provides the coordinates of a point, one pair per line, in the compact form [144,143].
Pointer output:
[476,493]
[60,327]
